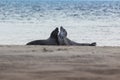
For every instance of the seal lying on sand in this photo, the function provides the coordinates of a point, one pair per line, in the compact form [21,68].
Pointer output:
[52,40]
[63,40]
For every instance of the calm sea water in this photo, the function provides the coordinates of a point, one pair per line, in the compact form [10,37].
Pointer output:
[24,20]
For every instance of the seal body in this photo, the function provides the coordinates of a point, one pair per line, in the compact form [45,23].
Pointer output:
[52,40]
[63,40]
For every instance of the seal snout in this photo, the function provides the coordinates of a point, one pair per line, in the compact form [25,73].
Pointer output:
[56,29]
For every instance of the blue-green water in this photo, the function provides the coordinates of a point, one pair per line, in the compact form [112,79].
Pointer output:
[25,20]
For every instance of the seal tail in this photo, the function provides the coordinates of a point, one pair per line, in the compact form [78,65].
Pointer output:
[93,44]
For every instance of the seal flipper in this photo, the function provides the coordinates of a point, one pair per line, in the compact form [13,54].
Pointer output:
[93,44]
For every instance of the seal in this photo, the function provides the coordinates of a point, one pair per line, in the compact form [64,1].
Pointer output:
[63,40]
[52,40]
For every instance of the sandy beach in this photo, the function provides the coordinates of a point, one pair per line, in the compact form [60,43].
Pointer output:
[59,63]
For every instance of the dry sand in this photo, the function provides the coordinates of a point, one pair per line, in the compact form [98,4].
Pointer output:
[59,63]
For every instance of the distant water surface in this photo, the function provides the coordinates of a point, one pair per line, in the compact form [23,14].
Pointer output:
[24,20]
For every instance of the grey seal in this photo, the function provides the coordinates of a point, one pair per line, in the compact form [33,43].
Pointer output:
[52,40]
[63,40]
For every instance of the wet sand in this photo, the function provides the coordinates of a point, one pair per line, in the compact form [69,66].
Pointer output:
[59,63]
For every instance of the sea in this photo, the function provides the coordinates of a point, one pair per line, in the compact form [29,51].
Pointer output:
[22,21]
